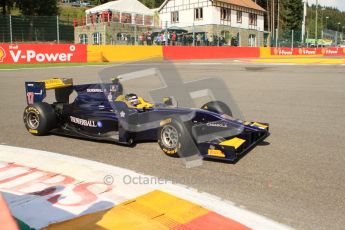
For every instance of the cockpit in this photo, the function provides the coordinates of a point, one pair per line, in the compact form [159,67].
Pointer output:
[134,101]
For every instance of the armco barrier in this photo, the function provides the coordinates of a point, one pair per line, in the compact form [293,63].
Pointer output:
[112,53]
[209,52]
[42,53]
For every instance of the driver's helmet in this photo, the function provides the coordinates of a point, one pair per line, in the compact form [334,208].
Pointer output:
[115,80]
[132,99]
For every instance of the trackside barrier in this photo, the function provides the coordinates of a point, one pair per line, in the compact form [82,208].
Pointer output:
[73,53]
[112,53]
[282,52]
[42,53]
[209,52]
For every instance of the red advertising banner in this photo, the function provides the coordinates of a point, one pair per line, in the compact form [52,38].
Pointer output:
[285,51]
[329,51]
[282,51]
[333,51]
[209,52]
[306,51]
[42,53]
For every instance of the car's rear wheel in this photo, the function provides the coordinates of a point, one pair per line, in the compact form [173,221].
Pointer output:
[217,107]
[39,118]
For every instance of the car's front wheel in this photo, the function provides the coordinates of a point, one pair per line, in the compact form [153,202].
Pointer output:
[175,138]
[170,136]
[39,118]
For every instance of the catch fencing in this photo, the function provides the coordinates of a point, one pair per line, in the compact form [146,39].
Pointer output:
[35,29]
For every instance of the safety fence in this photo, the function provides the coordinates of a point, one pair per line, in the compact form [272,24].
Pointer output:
[69,53]
[32,29]
[298,39]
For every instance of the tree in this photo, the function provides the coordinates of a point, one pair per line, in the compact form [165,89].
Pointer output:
[6,6]
[331,23]
[291,14]
[38,7]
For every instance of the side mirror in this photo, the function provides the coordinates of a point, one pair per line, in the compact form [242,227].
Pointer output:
[167,101]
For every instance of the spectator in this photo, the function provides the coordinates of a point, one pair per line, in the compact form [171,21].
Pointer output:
[221,40]
[148,38]
[184,39]
[210,40]
[198,39]
[141,39]
[163,38]
[128,38]
[179,40]
[158,39]
[173,38]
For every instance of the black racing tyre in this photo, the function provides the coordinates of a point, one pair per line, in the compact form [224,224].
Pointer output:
[39,118]
[174,138]
[217,107]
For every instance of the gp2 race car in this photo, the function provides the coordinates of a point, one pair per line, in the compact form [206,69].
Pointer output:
[102,112]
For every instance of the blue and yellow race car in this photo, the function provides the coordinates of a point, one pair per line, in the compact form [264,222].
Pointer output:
[103,112]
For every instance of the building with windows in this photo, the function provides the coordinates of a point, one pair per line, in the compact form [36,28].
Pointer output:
[239,22]
[115,22]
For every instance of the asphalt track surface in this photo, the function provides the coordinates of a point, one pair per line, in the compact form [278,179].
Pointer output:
[296,177]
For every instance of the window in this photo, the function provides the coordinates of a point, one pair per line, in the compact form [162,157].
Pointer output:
[116,17]
[148,20]
[198,14]
[252,40]
[253,19]
[139,19]
[225,14]
[174,17]
[126,18]
[239,16]
[97,38]
[83,39]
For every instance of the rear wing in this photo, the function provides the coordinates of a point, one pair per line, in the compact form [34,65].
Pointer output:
[36,90]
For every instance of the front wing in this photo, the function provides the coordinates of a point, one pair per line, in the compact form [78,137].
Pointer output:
[236,146]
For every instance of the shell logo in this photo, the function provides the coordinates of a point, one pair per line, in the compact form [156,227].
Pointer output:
[275,51]
[300,51]
[2,54]
[323,51]
[344,50]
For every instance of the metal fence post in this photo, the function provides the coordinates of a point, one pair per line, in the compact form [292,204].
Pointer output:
[193,34]
[166,33]
[57,30]
[135,34]
[11,38]
[276,37]
[292,39]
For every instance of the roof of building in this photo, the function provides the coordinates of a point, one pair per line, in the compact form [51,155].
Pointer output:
[128,6]
[244,3]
